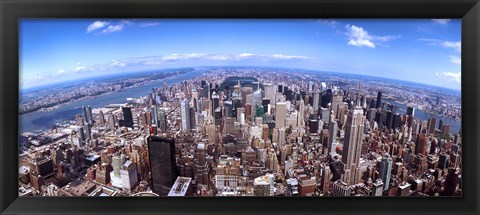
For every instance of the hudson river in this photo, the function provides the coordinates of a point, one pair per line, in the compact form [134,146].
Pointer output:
[39,120]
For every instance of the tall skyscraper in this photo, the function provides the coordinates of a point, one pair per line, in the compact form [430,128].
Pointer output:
[336,100]
[316,101]
[154,115]
[280,110]
[301,114]
[379,99]
[352,145]
[127,117]
[185,114]
[432,121]
[90,115]
[162,163]
[85,114]
[332,132]
[386,170]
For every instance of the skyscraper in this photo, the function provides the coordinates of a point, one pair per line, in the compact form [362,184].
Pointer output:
[301,114]
[162,163]
[336,100]
[332,131]
[185,114]
[379,99]
[154,115]
[127,117]
[432,121]
[280,110]
[90,115]
[386,170]
[352,145]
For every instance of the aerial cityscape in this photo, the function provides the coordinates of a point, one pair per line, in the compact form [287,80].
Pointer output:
[235,122]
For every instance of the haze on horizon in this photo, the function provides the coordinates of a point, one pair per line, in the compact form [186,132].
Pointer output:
[423,50]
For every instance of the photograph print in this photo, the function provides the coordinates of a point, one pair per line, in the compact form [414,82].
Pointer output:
[240,107]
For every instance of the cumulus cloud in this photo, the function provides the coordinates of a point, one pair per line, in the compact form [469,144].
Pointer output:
[116,26]
[451,76]
[441,21]
[96,25]
[357,36]
[455,45]
[113,28]
[455,60]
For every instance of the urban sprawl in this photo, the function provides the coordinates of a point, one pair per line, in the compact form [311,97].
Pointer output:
[250,132]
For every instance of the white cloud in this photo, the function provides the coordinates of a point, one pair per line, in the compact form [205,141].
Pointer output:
[113,28]
[455,45]
[451,76]
[328,22]
[96,25]
[441,21]
[148,24]
[357,36]
[444,43]
[455,59]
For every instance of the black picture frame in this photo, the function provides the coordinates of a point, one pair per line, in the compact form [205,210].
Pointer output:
[12,10]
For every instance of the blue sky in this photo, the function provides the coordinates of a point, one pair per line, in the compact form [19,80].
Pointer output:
[419,50]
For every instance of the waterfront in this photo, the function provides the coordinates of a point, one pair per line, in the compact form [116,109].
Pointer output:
[39,120]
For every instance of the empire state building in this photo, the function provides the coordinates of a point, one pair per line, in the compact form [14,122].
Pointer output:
[352,145]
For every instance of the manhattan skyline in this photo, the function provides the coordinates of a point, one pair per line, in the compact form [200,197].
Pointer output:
[58,50]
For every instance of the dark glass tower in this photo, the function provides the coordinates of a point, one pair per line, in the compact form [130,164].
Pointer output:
[379,100]
[127,117]
[162,164]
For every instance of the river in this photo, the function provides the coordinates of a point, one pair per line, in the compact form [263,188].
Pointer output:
[39,120]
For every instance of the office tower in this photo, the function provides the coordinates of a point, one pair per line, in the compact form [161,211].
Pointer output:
[301,114]
[228,105]
[162,164]
[128,174]
[341,189]
[201,165]
[88,131]
[216,101]
[352,145]
[228,125]
[185,115]
[410,115]
[256,100]
[81,133]
[90,115]
[162,121]
[336,100]
[240,111]
[111,120]
[431,125]
[265,103]
[389,120]
[265,132]
[101,117]
[85,114]
[332,131]
[270,91]
[281,137]
[371,116]
[316,101]
[443,161]
[326,175]
[117,163]
[379,99]
[154,115]
[325,114]
[127,120]
[385,170]
[421,145]
[280,110]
